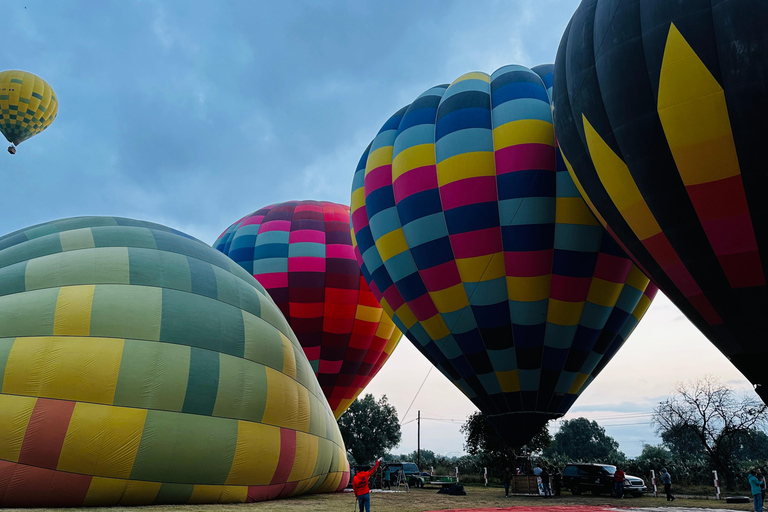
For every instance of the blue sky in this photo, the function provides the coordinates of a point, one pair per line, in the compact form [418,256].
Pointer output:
[193,114]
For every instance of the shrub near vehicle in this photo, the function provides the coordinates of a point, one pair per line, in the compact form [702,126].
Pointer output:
[598,479]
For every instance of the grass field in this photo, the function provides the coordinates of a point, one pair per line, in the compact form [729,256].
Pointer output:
[420,500]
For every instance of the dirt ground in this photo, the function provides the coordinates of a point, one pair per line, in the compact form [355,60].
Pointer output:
[427,499]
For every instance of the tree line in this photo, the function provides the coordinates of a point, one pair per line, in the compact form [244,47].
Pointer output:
[703,426]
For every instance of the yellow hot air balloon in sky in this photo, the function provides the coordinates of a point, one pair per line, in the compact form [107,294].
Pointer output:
[28,106]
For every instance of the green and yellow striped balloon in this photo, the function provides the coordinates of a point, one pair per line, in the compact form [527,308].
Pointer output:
[28,105]
[140,366]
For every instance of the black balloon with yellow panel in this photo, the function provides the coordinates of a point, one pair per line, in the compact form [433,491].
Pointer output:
[660,112]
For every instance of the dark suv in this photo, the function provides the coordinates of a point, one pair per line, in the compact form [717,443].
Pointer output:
[598,478]
[409,469]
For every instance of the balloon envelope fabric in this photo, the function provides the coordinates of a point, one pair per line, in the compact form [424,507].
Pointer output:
[485,254]
[140,366]
[28,105]
[660,108]
[301,252]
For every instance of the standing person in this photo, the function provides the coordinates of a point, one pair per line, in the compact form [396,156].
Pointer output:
[761,477]
[360,486]
[666,479]
[757,495]
[506,478]
[545,481]
[618,483]
[557,480]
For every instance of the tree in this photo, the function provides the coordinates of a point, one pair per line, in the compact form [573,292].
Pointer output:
[582,440]
[369,428]
[704,419]
[483,440]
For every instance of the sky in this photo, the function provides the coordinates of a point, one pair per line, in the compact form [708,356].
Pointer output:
[193,114]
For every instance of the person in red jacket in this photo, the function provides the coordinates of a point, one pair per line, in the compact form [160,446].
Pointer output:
[618,478]
[360,486]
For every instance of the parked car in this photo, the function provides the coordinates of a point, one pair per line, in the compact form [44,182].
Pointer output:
[411,471]
[598,479]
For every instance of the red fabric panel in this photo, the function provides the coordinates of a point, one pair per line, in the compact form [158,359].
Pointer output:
[30,486]
[45,433]
[612,268]
[287,456]
[263,492]
[569,289]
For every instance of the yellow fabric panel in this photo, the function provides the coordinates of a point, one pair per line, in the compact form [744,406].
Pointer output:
[343,406]
[394,339]
[105,491]
[305,485]
[205,494]
[282,401]
[435,327]
[481,268]
[581,378]
[509,381]
[368,313]
[636,279]
[642,306]
[573,210]
[121,492]
[234,494]
[15,412]
[289,357]
[407,316]
[387,308]
[358,200]
[386,328]
[450,299]
[73,311]
[255,438]
[581,191]
[564,313]
[68,368]
[473,75]
[306,457]
[102,440]
[524,131]
[466,165]
[330,483]
[528,289]
[694,115]
[391,244]
[604,293]
[618,182]
[77,239]
[304,411]
[421,155]
[139,493]
[377,158]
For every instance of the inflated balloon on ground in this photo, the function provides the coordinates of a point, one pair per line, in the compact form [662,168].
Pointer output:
[660,109]
[301,252]
[484,253]
[28,106]
[140,366]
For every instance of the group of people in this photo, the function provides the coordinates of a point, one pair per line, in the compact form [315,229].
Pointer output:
[551,479]
[757,487]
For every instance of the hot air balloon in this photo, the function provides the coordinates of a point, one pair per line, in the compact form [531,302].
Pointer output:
[28,106]
[485,255]
[301,252]
[139,366]
[660,109]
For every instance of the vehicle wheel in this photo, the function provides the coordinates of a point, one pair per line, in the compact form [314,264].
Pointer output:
[575,490]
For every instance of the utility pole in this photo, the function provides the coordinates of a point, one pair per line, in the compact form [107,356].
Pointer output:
[418,440]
